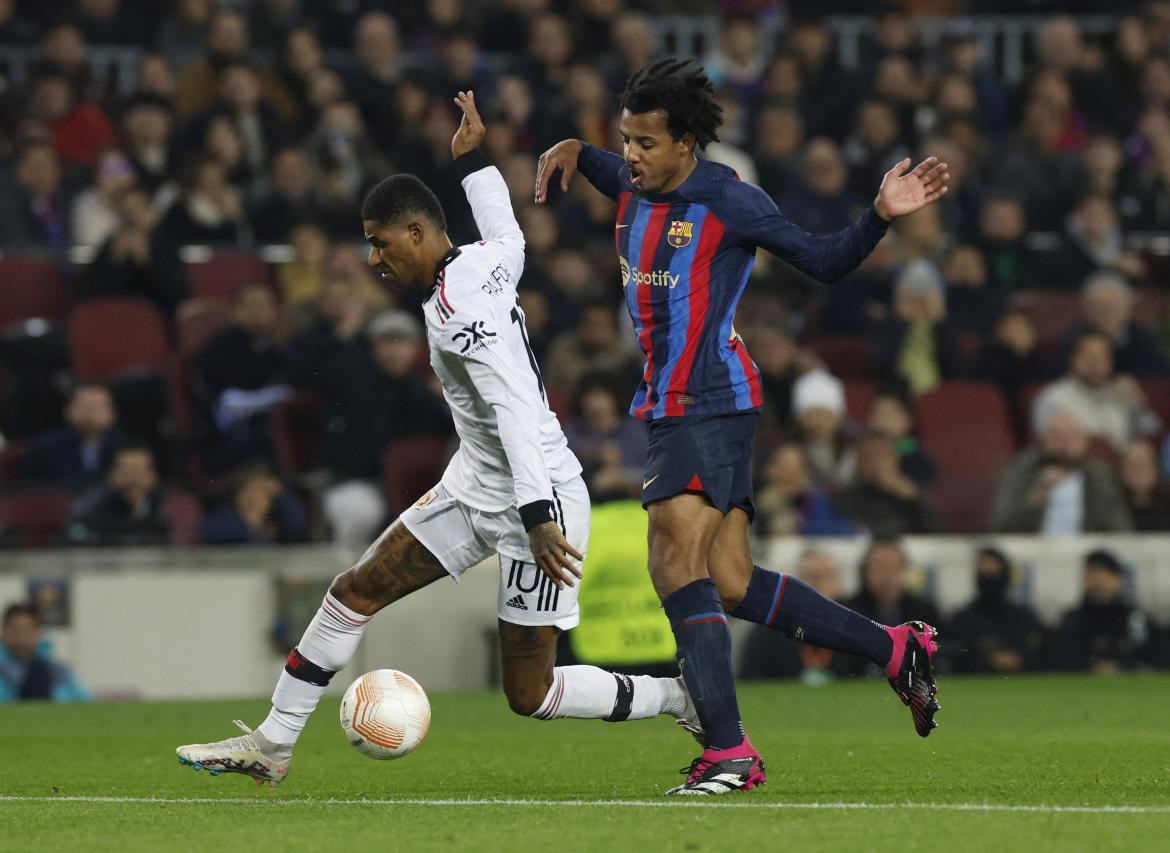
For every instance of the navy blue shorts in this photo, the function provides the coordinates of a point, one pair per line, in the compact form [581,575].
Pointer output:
[709,455]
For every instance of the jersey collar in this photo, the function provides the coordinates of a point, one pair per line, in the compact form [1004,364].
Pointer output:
[441,268]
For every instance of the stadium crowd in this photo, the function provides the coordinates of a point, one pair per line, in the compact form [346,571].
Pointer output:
[1000,363]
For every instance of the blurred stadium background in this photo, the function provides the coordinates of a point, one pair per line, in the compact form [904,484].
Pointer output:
[208,406]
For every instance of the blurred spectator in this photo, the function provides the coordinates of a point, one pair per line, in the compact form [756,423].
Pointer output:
[147,125]
[610,445]
[372,398]
[210,210]
[260,512]
[339,313]
[139,260]
[1146,491]
[1056,489]
[593,346]
[34,208]
[781,362]
[1003,226]
[1107,305]
[917,347]
[184,31]
[27,669]
[881,499]
[346,160]
[14,27]
[738,58]
[826,92]
[79,130]
[1093,241]
[1037,165]
[155,76]
[256,122]
[1105,634]
[239,377]
[786,505]
[127,510]
[290,200]
[779,134]
[892,415]
[94,216]
[635,44]
[769,654]
[992,633]
[113,22]
[64,49]
[228,42]
[550,48]
[819,201]
[299,279]
[80,452]
[1109,406]
[373,84]
[875,144]
[818,401]
[1011,359]
[972,304]
[884,596]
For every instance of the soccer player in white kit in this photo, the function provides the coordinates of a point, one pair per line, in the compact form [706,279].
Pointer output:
[513,488]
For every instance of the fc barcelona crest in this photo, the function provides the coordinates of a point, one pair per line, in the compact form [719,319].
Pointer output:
[679,234]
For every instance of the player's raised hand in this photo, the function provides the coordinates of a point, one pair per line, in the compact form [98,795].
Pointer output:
[471,129]
[903,192]
[552,554]
[561,156]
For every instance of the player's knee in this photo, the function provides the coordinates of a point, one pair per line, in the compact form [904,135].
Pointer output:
[525,699]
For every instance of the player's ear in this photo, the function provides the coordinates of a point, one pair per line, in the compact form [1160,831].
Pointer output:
[417,232]
[687,141]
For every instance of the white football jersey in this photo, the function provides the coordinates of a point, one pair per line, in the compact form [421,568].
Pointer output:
[511,447]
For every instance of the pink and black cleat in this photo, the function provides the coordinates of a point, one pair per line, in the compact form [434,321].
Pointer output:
[721,771]
[911,672]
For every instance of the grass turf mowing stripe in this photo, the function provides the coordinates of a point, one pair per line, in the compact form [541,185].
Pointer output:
[638,804]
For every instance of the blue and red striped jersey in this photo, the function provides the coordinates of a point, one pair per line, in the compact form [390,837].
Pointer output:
[685,259]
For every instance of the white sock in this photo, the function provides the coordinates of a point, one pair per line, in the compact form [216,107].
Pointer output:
[587,692]
[329,643]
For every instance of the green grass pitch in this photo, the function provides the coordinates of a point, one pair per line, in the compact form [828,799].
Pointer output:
[1036,763]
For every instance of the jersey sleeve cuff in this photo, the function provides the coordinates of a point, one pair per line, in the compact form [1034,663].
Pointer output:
[472,161]
[535,514]
[875,221]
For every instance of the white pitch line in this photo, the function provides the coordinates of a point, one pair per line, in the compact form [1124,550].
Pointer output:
[635,804]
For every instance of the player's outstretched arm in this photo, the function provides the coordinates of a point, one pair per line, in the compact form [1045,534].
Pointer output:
[905,190]
[601,168]
[486,191]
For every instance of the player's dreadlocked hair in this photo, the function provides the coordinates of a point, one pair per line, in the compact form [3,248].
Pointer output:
[395,198]
[680,89]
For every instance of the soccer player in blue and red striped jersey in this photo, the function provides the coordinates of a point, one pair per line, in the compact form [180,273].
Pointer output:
[686,235]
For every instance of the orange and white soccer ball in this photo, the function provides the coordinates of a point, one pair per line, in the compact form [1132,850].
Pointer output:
[385,714]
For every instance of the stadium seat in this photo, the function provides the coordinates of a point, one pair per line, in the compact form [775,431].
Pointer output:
[112,336]
[226,272]
[846,357]
[11,460]
[1157,393]
[1052,312]
[966,428]
[185,514]
[198,319]
[411,466]
[859,395]
[297,424]
[35,517]
[29,287]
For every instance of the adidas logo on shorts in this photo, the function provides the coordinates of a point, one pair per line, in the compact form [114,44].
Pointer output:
[516,601]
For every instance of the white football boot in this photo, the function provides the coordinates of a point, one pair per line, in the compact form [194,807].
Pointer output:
[688,721]
[236,755]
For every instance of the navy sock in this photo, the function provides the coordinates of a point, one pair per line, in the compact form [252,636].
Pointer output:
[798,611]
[704,656]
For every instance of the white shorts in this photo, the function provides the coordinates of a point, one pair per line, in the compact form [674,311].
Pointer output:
[461,536]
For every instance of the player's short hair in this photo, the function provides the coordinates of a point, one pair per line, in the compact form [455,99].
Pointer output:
[397,197]
[681,89]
